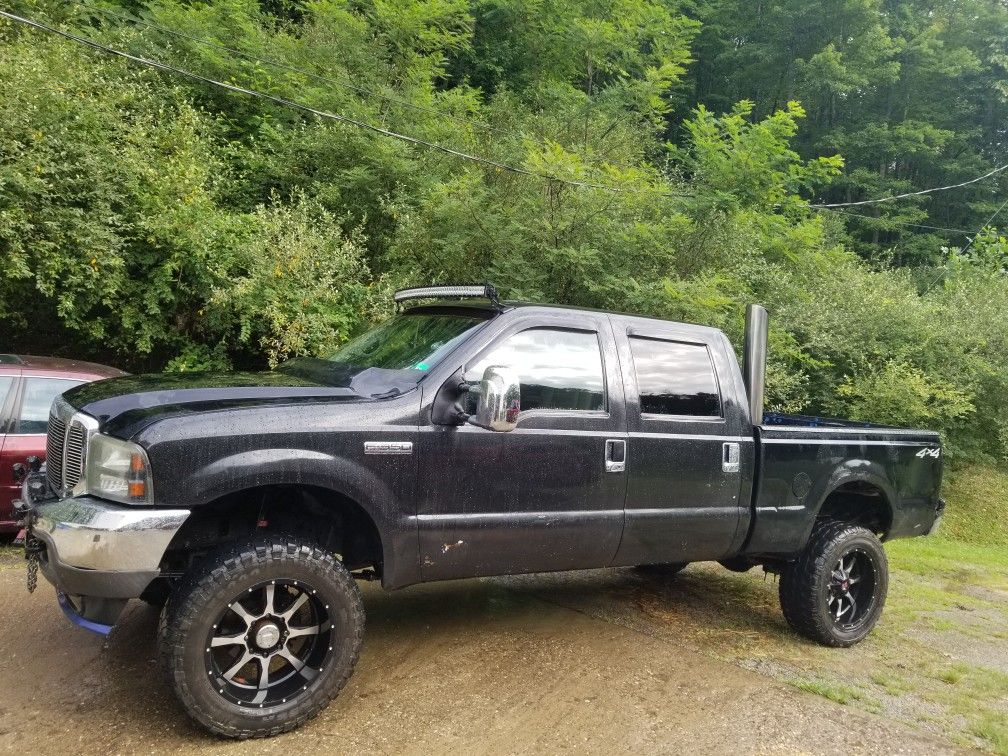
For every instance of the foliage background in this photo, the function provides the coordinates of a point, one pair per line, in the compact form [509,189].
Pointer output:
[153,222]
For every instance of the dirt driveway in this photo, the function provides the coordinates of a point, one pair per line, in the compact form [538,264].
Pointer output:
[533,664]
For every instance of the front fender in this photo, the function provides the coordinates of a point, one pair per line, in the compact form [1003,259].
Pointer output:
[201,457]
[269,467]
[349,478]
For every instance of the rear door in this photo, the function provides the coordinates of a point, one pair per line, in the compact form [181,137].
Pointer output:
[683,462]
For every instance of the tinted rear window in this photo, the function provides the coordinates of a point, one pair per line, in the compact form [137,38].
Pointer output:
[675,378]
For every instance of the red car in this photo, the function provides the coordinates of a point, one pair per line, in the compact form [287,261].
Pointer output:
[28,386]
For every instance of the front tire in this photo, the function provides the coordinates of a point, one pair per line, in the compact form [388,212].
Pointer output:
[262,637]
[834,592]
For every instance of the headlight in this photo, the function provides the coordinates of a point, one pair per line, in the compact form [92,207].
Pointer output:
[118,470]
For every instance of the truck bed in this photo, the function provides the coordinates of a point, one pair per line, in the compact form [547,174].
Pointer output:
[801,458]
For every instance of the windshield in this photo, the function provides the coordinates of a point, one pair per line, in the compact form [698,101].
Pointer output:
[391,357]
[407,342]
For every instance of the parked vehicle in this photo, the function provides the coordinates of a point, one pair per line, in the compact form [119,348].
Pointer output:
[459,438]
[28,386]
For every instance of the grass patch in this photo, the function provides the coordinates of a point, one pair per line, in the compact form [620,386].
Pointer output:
[892,684]
[993,728]
[977,511]
[953,560]
[841,694]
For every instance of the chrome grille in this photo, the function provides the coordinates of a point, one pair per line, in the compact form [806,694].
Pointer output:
[56,435]
[73,459]
[66,446]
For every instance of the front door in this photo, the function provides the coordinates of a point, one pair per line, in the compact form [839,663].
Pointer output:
[683,462]
[540,497]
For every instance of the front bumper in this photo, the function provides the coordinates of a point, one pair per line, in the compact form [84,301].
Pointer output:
[95,550]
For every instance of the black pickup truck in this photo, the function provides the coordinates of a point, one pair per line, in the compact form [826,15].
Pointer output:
[463,437]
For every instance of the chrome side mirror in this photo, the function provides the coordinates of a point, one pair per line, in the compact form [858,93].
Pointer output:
[499,400]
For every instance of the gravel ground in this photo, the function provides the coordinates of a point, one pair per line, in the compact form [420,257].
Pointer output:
[528,665]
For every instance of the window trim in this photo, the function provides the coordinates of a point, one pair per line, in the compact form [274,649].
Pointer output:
[15,418]
[602,414]
[7,402]
[661,416]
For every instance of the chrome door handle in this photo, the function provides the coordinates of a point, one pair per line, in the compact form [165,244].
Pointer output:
[615,455]
[730,456]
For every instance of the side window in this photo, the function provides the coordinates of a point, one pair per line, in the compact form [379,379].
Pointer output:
[558,370]
[38,398]
[675,378]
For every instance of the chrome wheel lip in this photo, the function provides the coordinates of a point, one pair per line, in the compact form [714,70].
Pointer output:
[850,590]
[247,673]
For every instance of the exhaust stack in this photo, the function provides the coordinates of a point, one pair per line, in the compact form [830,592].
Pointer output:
[754,359]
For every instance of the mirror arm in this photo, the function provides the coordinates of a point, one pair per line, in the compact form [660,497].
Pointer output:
[462,388]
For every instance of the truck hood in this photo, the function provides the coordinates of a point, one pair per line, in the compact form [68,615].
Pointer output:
[124,406]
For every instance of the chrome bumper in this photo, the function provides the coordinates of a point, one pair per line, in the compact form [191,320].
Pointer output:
[95,548]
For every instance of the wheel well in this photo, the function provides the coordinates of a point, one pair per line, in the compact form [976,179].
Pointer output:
[859,503]
[321,516]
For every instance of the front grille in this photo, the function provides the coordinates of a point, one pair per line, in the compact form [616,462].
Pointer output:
[66,446]
[74,454]
[54,451]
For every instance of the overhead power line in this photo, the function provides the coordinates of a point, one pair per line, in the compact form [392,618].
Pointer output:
[885,220]
[461,120]
[324,114]
[986,223]
[913,194]
[294,69]
[972,239]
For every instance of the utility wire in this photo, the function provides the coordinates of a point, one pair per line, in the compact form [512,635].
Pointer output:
[314,111]
[893,221]
[461,120]
[294,69]
[913,194]
[986,223]
[972,239]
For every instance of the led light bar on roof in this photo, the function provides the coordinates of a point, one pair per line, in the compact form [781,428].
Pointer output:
[427,292]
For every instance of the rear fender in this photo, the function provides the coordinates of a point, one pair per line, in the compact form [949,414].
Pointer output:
[847,472]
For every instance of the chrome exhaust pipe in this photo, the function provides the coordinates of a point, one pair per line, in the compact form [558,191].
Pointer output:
[754,359]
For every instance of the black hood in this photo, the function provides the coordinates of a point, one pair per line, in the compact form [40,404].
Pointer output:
[125,405]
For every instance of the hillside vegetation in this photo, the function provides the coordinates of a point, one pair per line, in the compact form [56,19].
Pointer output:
[655,156]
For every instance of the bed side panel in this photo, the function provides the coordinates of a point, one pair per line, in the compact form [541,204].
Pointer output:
[800,467]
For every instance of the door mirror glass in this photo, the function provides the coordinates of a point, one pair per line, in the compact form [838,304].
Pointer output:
[499,400]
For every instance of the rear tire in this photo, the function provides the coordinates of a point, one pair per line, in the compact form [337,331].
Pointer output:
[667,569]
[261,637]
[835,591]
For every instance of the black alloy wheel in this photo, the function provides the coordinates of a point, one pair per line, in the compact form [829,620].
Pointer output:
[851,589]
[269,643]
[835,590]
[261,637]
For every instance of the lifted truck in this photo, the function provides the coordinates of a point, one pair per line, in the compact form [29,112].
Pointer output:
[462,437]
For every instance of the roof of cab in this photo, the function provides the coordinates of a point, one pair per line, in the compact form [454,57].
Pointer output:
[485,305]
